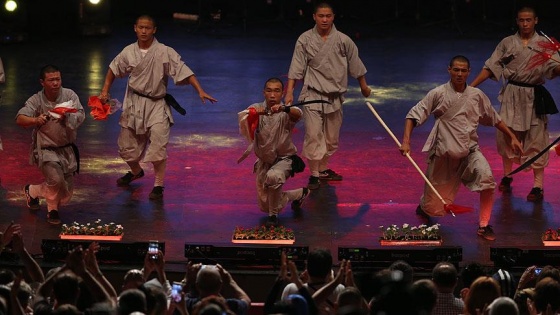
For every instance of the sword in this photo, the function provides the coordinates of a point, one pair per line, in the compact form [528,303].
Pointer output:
[533,159]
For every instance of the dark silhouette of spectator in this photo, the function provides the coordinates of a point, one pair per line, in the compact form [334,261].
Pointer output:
[547,297]
[444,276]
[503,306]
[131,300]
[406,268]
[424,296]
[506,281]
[482,292]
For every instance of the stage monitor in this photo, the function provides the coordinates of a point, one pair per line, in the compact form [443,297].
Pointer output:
[511,257]
[109,252]
[242,256]
[417,257]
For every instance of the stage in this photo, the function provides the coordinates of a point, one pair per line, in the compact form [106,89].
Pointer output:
[207,194]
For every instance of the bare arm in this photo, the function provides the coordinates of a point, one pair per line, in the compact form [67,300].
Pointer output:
[229,282]
[289,97]
[408,127]
[109,79]
[366,91]
[26,121]
[481,77]
[192,80]
[514,142]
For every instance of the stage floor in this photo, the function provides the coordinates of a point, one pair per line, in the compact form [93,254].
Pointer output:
[207,194]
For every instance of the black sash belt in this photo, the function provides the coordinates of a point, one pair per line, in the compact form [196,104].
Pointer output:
[543,103]
[74,148]
[169,99]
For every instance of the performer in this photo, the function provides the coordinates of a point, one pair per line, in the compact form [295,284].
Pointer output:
[146,118]
[55,113]
[511,61]
[273,146]
[453,153]
[323,57]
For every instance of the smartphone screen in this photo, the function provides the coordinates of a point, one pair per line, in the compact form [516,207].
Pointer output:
[153,248]
[176,291]
[538,271]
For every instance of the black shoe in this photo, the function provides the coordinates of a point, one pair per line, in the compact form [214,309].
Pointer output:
[128,178]
[272,220]
[32,203]
[296,204]
[486,232]
[53,217]
[313,183]
[330,175]
[423,215]
[536,194]
[157,193]
[505,184]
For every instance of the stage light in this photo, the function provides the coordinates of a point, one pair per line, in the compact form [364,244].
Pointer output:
[94,2]
[11,5]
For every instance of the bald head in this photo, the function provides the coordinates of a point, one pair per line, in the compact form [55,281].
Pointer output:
[208,280]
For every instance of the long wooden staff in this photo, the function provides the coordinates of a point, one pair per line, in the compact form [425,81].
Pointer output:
[451,208]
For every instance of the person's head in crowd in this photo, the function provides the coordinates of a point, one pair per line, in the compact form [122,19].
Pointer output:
[319,264]
[470,273]
[503,306]
[424,296]
[406,268]
[24,294]
[548,271]
[391,290]
[6,276]
[133,279]
[507,282]
[66,309]
[156,300]
[547,294]
[208,281]
[351,310]
[481,293]
[103,308]
[212,305]
[131,300]
[293,304]
[66,288]
[349,296]
[444,276]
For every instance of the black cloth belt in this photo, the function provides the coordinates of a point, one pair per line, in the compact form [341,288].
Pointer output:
[74,148]
[543,103]
[169,99]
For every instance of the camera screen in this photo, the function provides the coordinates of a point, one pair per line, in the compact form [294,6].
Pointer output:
[153,249]
[176,292]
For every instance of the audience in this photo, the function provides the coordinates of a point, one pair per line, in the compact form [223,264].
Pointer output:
[78,287]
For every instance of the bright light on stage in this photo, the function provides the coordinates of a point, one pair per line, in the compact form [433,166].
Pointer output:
[94,2]
[11,5]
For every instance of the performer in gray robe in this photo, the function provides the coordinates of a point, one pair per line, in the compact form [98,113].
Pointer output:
[511,62]
[323,58]
[453,153]
[146,118]
[52,147]
[273,146]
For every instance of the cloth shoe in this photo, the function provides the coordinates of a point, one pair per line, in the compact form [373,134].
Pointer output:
[32,203]
[296,204]
[53,217]
[330,175]
[129,177]
[536,194]
[486,232]
[313,183]
[505,184]
[272,220]
[157,193]
[423,215]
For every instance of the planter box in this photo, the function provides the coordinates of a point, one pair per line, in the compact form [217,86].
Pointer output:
[551,243]
[91,237]
[411,243]
[271,242]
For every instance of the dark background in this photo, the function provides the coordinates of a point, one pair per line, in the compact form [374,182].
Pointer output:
[47,18]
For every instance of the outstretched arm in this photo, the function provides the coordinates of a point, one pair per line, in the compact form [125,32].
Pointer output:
[481,77]
[192,80]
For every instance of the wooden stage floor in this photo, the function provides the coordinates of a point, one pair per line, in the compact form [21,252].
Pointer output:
[207,194]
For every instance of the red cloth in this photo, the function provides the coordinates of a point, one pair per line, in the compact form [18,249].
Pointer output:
[99,111]
[557,149]
[253,121]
